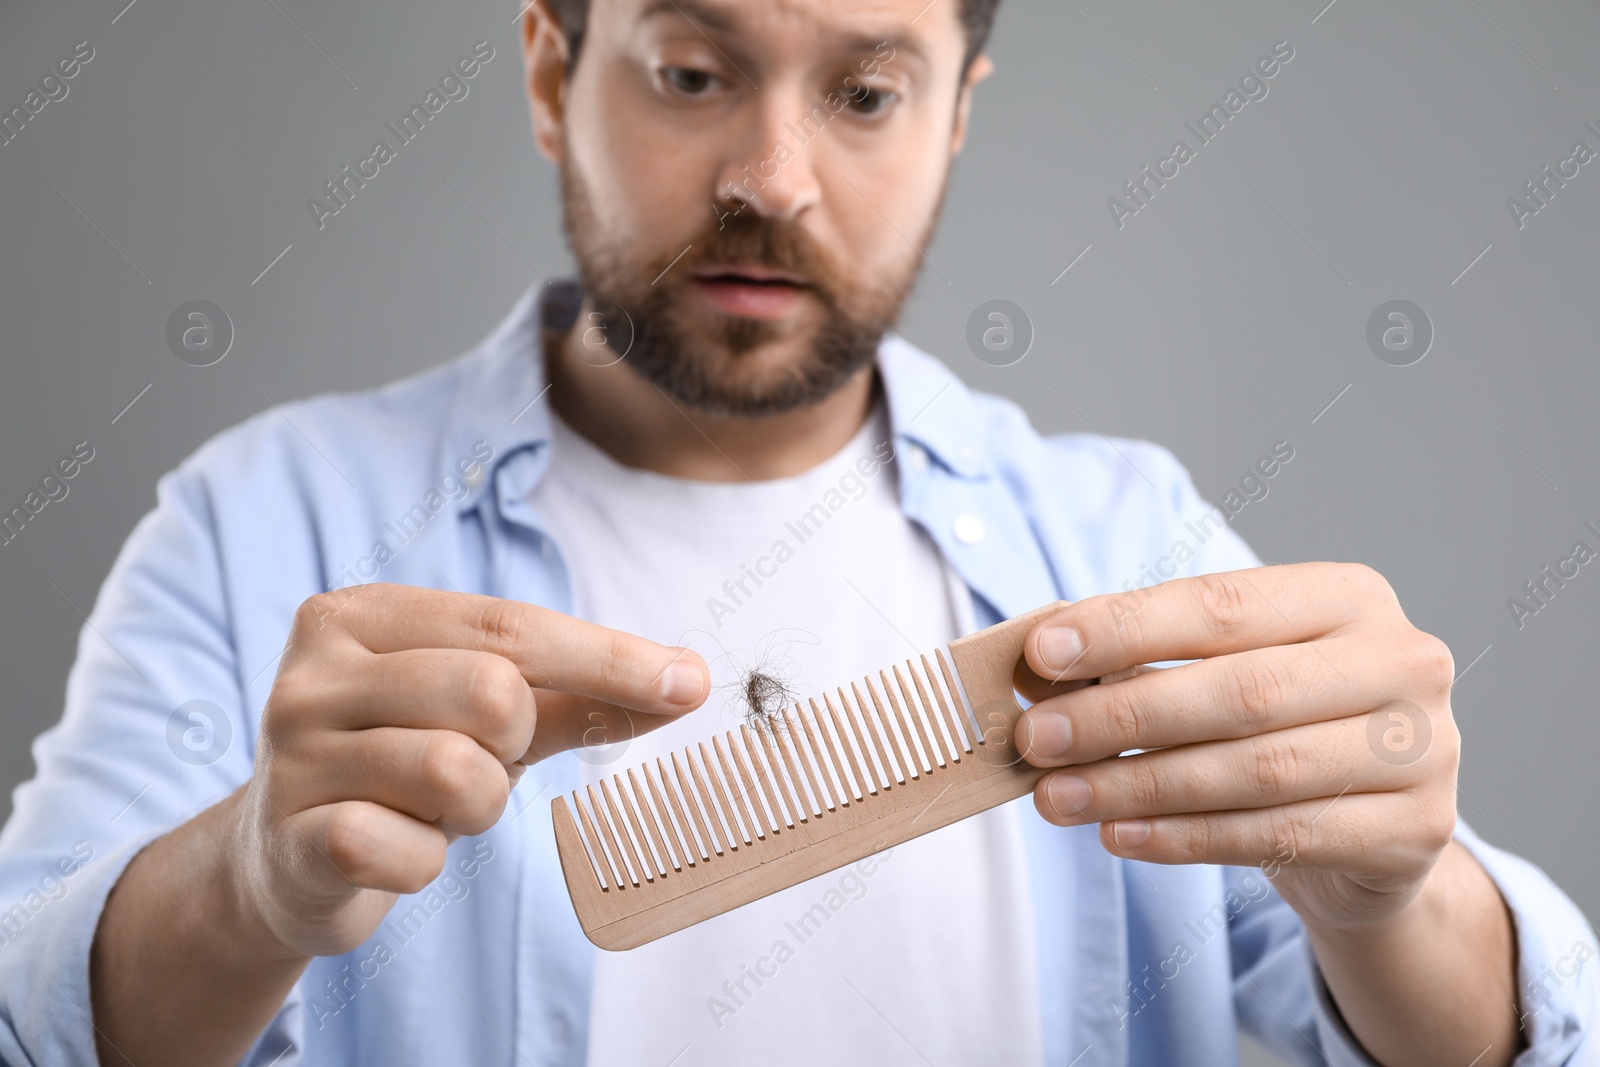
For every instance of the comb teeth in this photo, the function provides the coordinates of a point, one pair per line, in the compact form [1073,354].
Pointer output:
[736,818]
[769,776]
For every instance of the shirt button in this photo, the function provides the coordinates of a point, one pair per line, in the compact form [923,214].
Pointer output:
[968,529]
[917,458]
[475,479]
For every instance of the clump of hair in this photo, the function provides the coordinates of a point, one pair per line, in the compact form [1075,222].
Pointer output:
[765,697]
[762,684]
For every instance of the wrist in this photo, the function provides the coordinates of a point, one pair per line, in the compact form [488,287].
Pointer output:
[1425,905]
[241,885]
[183,969]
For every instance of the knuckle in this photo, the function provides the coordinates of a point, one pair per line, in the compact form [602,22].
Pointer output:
[353,841]
[1143,785]
[1224,604]
[410,880]
[294,681]
[1120,719]
[416,877]
[496,693]
[619,668]
[481,815]
[1197,836]
[1446,743]
[1440,826]
[1129,629]
[450,765]
[1435,665]
[315,612]
[1121,609]
[1274,768]
[1256,692]
[277,727]
[1370,581]
[1291,834]
[506,627]
[292,702]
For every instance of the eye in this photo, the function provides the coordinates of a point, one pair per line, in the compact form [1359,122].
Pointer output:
[867,101]
[687,80]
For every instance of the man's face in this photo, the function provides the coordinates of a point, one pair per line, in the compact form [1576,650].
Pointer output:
[753,183]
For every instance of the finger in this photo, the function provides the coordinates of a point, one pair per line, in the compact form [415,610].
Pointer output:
[549,649]
[1209,615]
[1036,689]
[569,722]
[1224,697]
[1267,770]
[475,693]
[434,776]
[359,845]
[1360,834]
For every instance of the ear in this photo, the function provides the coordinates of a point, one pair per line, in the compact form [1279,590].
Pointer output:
[544,59]
[980,68]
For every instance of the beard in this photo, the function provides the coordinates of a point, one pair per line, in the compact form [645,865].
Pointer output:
[721,364]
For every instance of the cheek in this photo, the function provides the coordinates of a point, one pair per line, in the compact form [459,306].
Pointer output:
[648,186]
[893,186]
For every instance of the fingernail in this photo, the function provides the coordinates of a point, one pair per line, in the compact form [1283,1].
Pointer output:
[1130,833]
[1059,647]
[682,683]
[1068,796]
[1049,734]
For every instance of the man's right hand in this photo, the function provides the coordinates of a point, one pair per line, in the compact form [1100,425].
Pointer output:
[401,718]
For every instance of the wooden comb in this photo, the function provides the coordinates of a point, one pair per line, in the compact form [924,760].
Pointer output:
[761,809]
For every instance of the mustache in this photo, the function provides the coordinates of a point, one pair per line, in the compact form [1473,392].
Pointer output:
[751,240]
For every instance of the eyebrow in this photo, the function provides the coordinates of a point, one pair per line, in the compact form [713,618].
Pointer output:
[721,21]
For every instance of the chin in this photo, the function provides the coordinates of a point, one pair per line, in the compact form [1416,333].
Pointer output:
[736,366]
[736,387]
[753,384]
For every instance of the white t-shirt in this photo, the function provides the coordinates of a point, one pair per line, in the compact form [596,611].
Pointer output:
[927,950]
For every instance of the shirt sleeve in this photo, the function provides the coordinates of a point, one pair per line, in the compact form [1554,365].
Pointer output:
[1283,1000]
[1279,992]
[155,729]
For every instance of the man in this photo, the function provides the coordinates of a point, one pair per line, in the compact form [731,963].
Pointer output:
[706,462]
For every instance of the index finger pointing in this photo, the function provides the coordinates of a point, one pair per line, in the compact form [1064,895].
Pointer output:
[551,650]
[1194,618]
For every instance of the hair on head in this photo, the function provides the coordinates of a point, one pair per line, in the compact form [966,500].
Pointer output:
[977,17]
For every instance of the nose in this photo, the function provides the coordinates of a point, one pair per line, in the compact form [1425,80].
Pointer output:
[769,169]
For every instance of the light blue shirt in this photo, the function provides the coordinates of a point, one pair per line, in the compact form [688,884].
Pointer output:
[426,482]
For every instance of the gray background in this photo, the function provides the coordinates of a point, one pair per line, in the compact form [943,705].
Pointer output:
[1225,316]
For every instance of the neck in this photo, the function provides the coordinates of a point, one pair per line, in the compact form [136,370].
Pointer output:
[638,425]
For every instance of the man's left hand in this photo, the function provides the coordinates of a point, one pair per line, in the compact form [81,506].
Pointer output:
[1312,736]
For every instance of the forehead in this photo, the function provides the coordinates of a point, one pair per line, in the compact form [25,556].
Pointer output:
[921,27]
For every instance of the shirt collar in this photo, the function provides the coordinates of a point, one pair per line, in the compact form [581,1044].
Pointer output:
[502,397]
[932,407]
